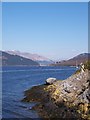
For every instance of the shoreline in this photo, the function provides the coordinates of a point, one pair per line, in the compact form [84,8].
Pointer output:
[63,99]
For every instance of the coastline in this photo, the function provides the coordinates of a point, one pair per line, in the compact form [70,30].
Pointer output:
[63,99]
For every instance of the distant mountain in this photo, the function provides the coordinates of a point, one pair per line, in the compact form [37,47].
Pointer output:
[34,57]
[38,58]
[8,59]
[82,58]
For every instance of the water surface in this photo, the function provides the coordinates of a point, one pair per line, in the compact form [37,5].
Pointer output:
[15,80]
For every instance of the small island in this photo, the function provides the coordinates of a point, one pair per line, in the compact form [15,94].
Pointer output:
[65,99]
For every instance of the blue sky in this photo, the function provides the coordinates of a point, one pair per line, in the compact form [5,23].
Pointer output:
[54,30]
[0,25]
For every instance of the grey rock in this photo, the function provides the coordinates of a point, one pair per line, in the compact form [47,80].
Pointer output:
[50,81]
[75,87]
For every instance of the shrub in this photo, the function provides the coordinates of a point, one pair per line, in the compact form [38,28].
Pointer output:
[87,65]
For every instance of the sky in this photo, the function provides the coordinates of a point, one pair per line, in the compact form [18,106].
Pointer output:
[0,25]
[54,30]
[45,0]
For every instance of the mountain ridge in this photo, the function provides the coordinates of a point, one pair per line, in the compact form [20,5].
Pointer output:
[15,60]
[21,56]
[81,58]
[28,55]
[43,61]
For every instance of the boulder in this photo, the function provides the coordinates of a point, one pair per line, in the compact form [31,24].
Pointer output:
[50,81]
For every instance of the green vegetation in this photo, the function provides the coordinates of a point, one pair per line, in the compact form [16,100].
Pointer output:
[78,71]
[87,65]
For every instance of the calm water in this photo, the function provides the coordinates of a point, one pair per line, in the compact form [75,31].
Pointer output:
[15,80]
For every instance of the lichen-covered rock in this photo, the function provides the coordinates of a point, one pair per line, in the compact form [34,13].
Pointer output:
[75,90]
[68,98]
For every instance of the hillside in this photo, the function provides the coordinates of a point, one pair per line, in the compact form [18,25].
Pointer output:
[35,57]
[28,55]
[15,60]
[82,58]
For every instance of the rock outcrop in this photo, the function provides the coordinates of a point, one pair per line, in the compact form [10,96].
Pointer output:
[50,81]
[69,98]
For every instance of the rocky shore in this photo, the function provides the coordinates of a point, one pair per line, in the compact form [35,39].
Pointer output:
[65,99]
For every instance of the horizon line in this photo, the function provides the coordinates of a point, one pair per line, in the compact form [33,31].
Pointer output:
[45,56]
